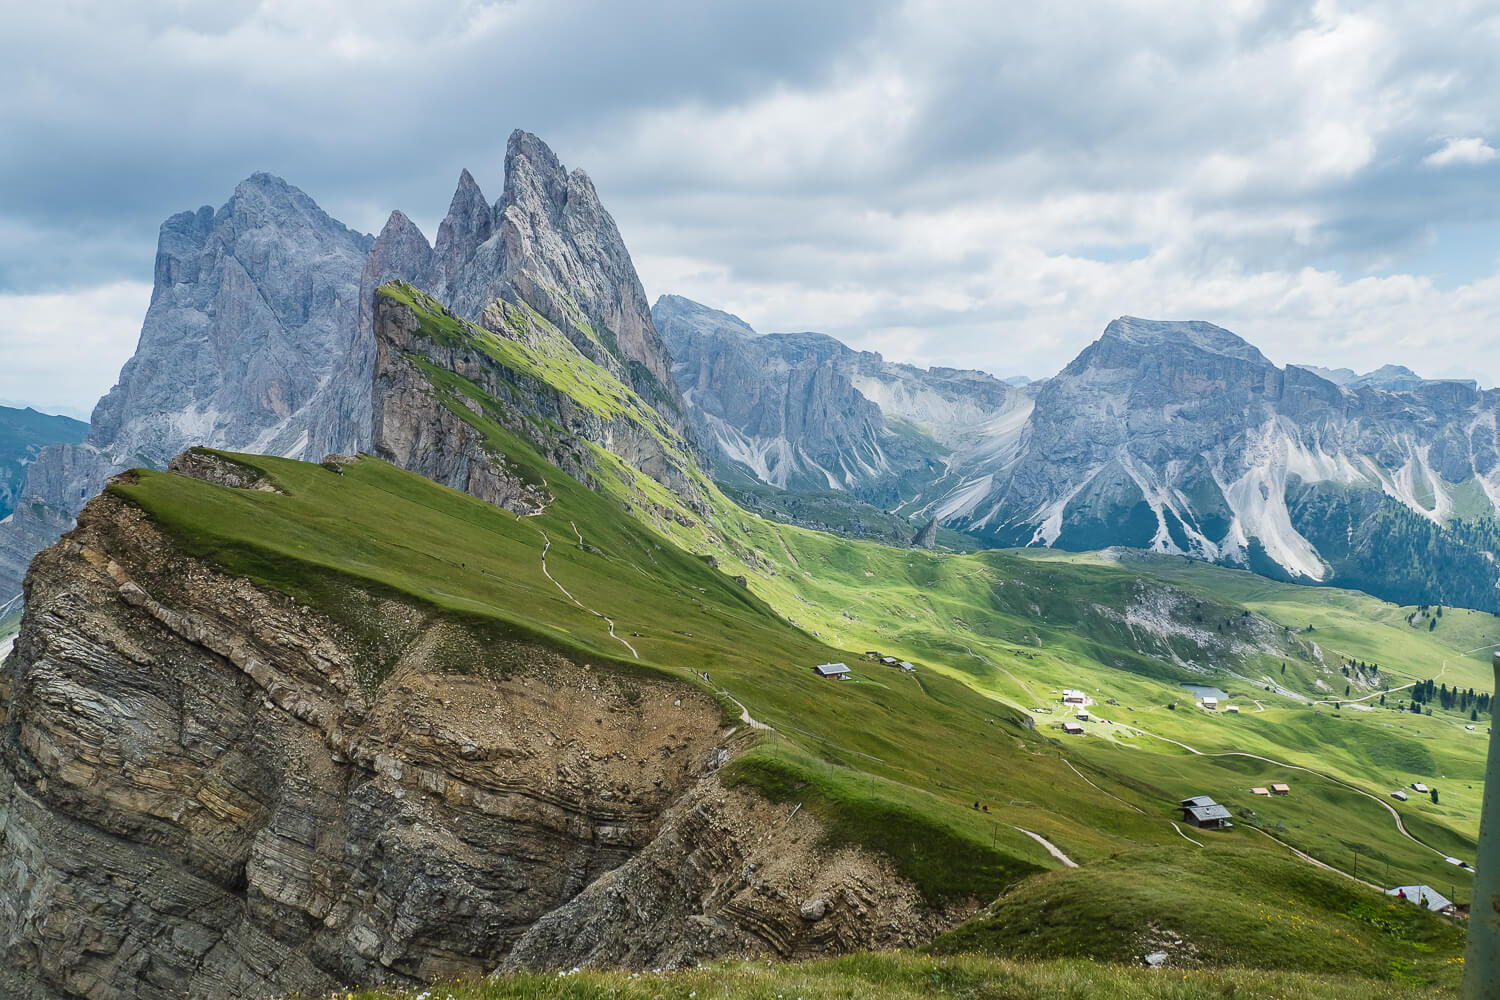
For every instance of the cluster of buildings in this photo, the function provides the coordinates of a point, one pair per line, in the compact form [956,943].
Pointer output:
[841,671]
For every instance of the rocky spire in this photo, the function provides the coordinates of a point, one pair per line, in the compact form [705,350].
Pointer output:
[469,223]
[564,256]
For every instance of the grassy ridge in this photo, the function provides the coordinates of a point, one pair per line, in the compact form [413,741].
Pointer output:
[907,976]
[1279,915]
[898,761]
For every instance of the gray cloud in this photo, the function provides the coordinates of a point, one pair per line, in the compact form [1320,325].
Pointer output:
[948,182]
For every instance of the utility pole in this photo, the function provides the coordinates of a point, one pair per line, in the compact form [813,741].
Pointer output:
[1482,955]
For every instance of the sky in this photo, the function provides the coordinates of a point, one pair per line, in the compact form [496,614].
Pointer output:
[956,183]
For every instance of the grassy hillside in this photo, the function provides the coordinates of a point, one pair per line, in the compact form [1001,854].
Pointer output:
[950,769]
[906,976]
[891,760]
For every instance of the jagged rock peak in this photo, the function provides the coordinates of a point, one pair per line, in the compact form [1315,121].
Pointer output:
[678,319]
[533,171]
[1192,333]
[470,220]
[264,199]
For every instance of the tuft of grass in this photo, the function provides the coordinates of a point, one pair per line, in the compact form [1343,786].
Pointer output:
[909,976]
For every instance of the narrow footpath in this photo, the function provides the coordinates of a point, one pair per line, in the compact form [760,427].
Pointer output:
[547,544]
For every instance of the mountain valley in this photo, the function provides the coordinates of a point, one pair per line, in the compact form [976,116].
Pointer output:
[420,636]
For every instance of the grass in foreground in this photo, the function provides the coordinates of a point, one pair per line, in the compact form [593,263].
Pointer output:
[904,974]
[1224,908]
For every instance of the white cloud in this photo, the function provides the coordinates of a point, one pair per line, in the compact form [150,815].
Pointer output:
[945,180]
[63,350]
[1471,150]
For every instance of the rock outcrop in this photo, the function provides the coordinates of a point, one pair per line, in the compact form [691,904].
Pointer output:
[259,336]
[250,342]
[207,790]
[802,411]
[425,430]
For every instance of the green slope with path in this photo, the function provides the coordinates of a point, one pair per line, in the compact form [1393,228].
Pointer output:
[898,761]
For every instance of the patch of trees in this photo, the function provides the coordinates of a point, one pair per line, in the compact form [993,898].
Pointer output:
[1382,547]
[1451,699]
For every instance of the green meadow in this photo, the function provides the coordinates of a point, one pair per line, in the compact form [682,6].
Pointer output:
[940,770]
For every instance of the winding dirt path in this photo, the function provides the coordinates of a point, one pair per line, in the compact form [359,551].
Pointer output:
[1051,847]
[1314,861]
[1400,826]
[745,715]
[1184,836]
[547,544]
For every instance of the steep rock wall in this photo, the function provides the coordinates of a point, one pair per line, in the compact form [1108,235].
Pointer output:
[207,789]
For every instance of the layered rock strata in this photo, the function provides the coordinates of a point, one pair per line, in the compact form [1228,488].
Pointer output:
[209,789]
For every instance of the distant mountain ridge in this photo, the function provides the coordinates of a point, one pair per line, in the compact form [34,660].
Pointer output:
[24,432]
[1177,437]
[803,411]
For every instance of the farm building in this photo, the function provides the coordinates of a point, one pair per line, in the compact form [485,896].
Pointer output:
[837,671]
[1082,715]
[1073,728]
[889,661]
[1232,708]
[1072,697]
[1260,791]
[1204,813]
[1210,703]
[1417,786]
[1399,794]
[1281,789]
[1423,895]
[907,665]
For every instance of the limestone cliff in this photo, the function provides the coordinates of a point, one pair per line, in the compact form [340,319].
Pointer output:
[209,789]
[416,429]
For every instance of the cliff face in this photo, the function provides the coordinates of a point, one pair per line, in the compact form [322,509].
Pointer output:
[205,790]
[259,334]
[250,342]
[416,430]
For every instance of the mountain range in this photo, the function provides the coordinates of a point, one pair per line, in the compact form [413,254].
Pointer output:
[259,332]
[520,688]
[1178,437]
[23,435]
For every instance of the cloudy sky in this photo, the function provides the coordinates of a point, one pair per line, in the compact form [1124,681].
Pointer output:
[936,181]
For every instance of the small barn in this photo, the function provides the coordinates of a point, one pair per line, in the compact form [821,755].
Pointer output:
[1232,708]
[1281,789]
[838,671]
[1082,715]
[1399,794]
[1204,813]
[1418,787]
[1260,791]
[1072,697]
[907,665]
[1073,728]
[1210,703]
[1422,895]
[889,661]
